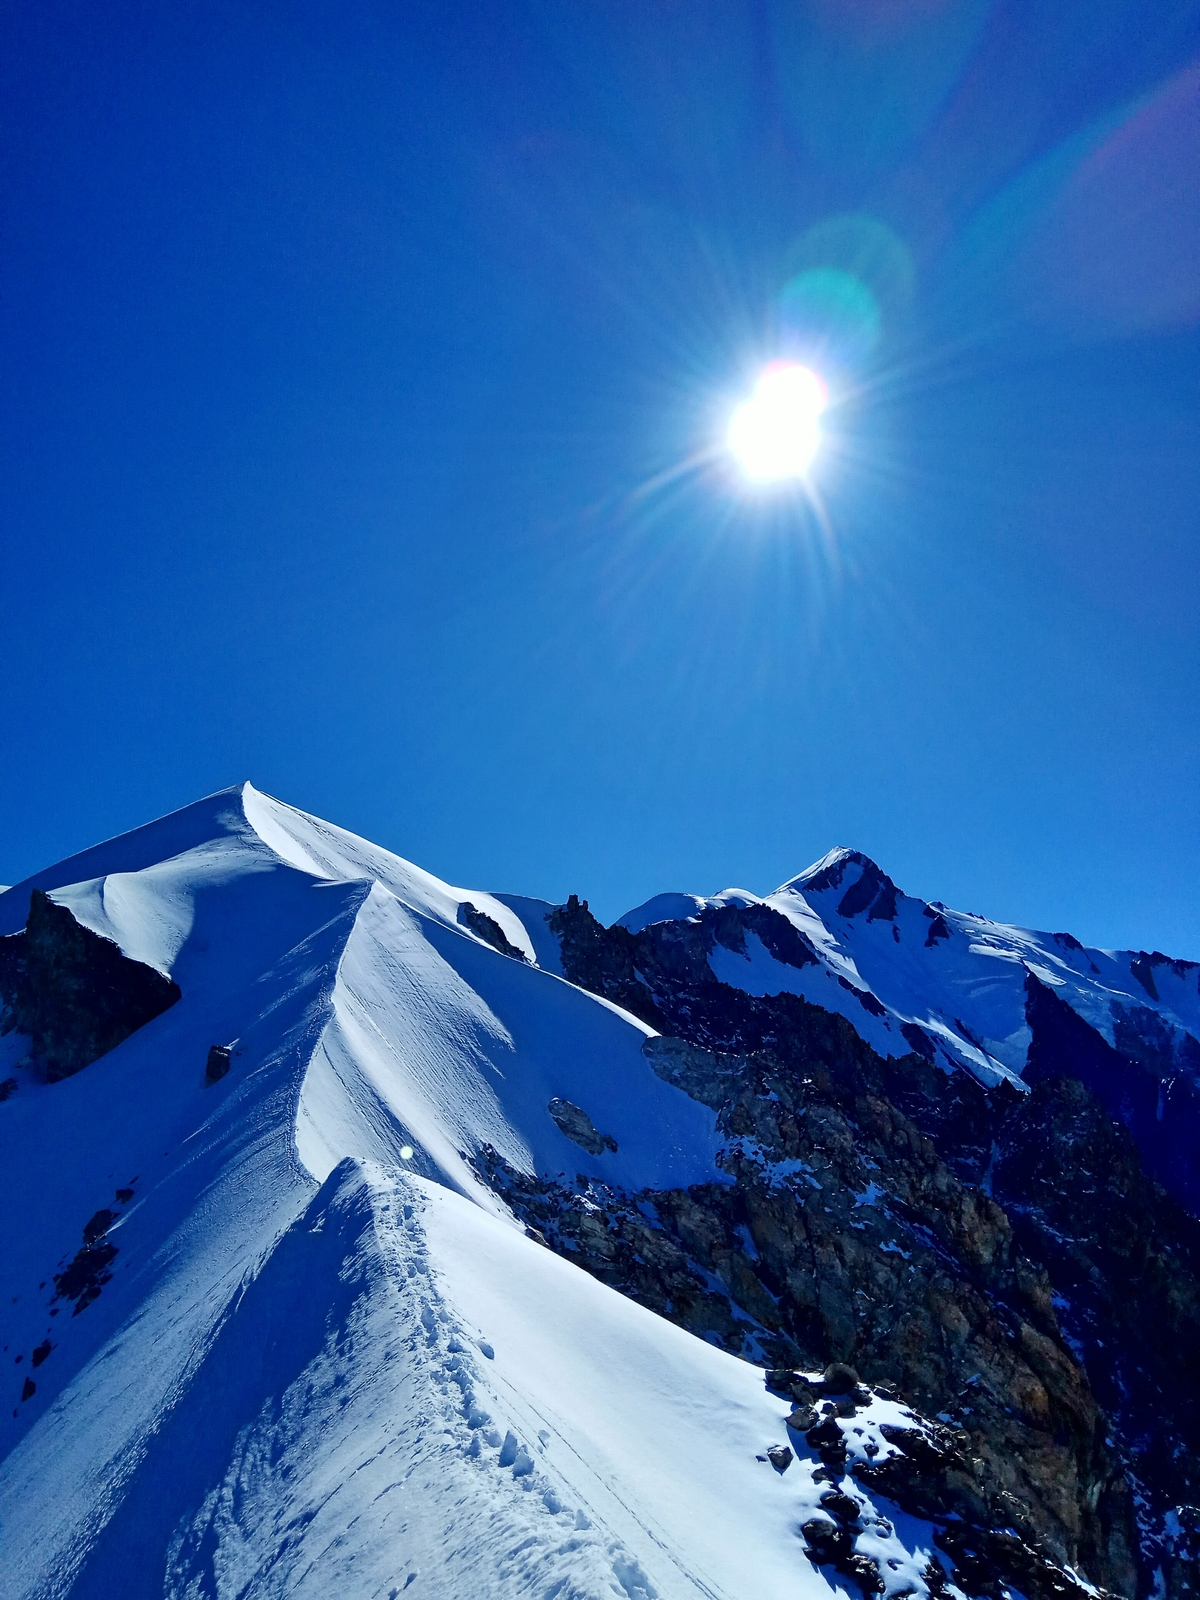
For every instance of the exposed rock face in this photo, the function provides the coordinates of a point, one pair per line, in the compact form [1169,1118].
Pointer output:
[845,1236]
[667,959]
[82,1279]
[997,1257]
[489,929]
[217,1065]
[1124,1260]
[578,1127]
[77,995]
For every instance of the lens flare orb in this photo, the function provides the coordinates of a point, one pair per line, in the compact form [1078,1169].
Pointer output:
[774,434]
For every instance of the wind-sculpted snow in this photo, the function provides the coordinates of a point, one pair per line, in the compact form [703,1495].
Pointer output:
[187,1328]
[440,1045]
[210,1181]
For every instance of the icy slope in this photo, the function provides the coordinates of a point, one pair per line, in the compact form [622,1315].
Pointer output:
[950,984]
[432,1040]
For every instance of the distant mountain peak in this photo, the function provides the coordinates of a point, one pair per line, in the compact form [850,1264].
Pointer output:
[870,890]
[828,872]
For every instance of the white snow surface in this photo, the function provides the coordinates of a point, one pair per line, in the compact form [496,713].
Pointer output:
[327,1361]
[965,990]
[673,907]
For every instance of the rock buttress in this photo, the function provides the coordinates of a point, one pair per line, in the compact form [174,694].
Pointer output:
[76,994]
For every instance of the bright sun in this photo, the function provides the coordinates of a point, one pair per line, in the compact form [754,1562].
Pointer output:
[774,434]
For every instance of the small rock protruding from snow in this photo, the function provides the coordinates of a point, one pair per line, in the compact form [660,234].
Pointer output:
[842,1506]
[489,930]
[218,1062]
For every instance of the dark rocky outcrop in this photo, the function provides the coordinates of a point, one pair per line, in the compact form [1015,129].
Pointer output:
[844,1236]
[654,973]
[872,890]
[74,993]
[911,1465]
[573,1121]
[1124,1259]
[217,1065]
[994,1561]
[489,930]
[85,1275]
[996,1257]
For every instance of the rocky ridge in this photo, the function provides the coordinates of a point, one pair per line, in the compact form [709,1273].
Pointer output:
[996,1257]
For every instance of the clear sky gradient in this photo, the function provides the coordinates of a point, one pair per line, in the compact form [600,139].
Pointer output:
[362,365]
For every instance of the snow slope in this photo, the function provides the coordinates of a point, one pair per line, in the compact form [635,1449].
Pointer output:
[949,983]
[321,1357]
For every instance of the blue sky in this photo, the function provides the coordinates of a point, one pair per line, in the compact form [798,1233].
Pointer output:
[362,367]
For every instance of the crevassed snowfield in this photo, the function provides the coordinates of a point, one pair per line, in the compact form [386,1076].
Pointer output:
[328,1362]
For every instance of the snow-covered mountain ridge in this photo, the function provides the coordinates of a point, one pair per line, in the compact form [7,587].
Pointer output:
[954,979]
[959,989]
[371,1031]
[288,1124]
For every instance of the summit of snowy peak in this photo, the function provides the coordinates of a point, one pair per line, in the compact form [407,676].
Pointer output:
[864,885]
[828,872]
[327,851]
[241,831]
[216,820]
